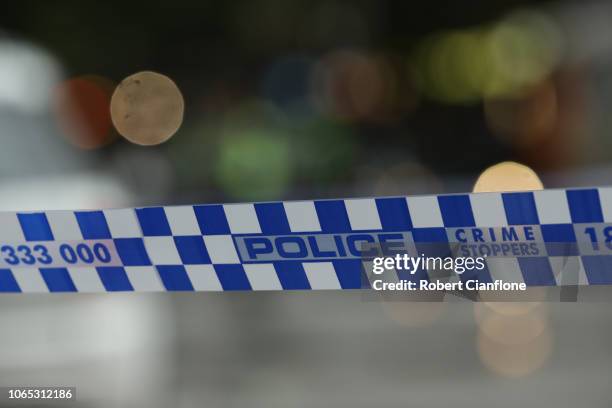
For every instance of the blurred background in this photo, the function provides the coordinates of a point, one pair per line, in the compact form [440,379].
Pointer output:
[291,99]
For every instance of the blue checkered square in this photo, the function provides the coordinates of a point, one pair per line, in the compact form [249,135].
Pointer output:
[211,219]
[58,279]
[520,208]
[272,218]
[584,205]
[8,282]
[132,251]
[598,269]
[333,216]
[174,278]
[393,213]
[191,249]
[537,271]
[153,221]
[456,211]
[114,279]
[232,277]
[93,224]
[291,275]
[35,227]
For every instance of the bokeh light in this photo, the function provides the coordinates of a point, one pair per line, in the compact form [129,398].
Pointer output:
[500,60]
[81,107]
[254,163]
[514,360]
[28,74]
[352,85]
[286,83]
[147,108]
[507,176]
[524,48]
[514,338]
[325,150]
[513,329]
[450,66]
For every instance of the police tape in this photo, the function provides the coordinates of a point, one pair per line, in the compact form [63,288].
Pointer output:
[531,237]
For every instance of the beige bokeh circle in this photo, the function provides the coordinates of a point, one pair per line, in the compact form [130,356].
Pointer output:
[147,108]
[510,176]
[515,360]
[507,176]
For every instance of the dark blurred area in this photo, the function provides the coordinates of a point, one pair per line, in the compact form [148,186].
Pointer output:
[289,99]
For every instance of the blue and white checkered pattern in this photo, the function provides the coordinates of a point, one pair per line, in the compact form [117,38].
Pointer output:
[192,248]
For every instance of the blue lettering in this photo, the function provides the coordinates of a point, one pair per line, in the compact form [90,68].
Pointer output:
[509,234]
[316,252]
[460,235]
[255,246]
[388,246]
[340,245]
[284,251]
[529,234]
[351,241]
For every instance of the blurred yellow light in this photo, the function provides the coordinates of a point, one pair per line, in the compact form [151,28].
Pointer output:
[507,176]
[147,108]
[463,66]
[454,66]
[524,48]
